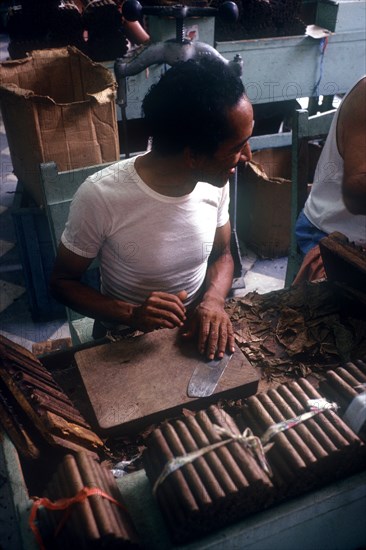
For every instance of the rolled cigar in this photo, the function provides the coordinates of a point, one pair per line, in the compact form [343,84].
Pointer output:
[74,527]
[281,471]
[30,382]
[35,371]
[176,480]
[346,391]
[293,437]
[53,515]
[303,431]
[361,365]
[347,377]
[221,462]
[334,425]
[101,507]
[122,516]
[293,458]
[174,502]
[222,418]
[322,437]
[72,479]
[252,471]
[194,481]
[45,401]
[340,385]
[224,453]
[356,372]
[214,485]
[168,499]
[21,359]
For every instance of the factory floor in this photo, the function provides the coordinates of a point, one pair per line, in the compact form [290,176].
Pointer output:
[16,322]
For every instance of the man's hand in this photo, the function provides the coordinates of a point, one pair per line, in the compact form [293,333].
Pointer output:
[213,328]
[160,310]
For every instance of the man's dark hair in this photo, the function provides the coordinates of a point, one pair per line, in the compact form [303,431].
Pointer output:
[188,106]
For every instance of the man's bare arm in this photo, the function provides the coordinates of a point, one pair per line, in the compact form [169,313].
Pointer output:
[160,310]
[210,322]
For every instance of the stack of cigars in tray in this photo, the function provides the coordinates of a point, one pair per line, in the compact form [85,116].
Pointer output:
[230,482]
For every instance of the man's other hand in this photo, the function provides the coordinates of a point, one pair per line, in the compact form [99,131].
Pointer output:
[160,310]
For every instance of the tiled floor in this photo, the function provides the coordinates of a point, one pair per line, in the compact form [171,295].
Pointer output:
[16,322]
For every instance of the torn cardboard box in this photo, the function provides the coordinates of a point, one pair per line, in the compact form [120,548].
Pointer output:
[57,105]
[264,203]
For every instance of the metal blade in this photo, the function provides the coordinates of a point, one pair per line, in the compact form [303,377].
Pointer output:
[206,376]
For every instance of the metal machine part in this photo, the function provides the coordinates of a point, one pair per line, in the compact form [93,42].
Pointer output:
[170,51]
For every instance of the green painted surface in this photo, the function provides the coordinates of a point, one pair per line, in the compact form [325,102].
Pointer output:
[14,501]
[329,519]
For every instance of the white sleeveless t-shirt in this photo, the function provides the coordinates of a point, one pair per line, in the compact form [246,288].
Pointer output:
[325,207]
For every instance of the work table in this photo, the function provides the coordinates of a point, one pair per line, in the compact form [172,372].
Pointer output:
[327,517]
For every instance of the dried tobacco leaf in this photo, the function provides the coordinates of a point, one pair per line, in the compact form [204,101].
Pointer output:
[292,333]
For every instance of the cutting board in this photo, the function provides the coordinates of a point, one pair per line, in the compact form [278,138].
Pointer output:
[143,380]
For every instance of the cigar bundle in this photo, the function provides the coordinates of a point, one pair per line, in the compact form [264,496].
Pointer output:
[92,522]
[215,489]
[309,454]
[35,411]
[229,482]
[347,386]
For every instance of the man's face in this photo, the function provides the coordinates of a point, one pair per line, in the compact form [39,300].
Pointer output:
[216,169]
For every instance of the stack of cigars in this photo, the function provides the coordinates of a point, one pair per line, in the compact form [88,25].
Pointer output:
[93,523]
[228,483]
[347,386]
[35,411]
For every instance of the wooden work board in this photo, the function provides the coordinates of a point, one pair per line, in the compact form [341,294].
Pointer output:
[143,380]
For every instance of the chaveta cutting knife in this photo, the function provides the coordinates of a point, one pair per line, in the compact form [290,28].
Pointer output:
[206,376]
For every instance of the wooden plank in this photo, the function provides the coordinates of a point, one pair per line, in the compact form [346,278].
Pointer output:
[344,262]
[139,381]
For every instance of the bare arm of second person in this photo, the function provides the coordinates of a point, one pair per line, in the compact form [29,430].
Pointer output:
[160,309]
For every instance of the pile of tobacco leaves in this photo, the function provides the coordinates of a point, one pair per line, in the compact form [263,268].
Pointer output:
[297,332]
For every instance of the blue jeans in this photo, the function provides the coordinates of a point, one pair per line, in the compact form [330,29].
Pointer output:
[307,234]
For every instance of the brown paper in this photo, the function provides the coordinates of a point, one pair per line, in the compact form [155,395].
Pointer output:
[57,105]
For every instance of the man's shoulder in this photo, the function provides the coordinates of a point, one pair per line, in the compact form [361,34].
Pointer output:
[113,171]
[109,178]
[354,106]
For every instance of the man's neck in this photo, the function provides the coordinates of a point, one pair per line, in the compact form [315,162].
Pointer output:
[168,176]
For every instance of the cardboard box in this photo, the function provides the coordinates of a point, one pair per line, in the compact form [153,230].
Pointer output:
[57,105]
[264,203]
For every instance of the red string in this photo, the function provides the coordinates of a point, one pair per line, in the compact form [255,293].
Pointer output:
[63,504]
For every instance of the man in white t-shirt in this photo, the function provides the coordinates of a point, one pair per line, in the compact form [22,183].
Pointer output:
[159,222]
[337,201]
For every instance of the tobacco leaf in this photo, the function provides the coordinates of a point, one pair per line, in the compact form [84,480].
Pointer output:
[292,333]
[297,331]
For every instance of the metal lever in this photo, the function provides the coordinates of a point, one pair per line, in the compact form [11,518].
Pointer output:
[170,51]
[132,10]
